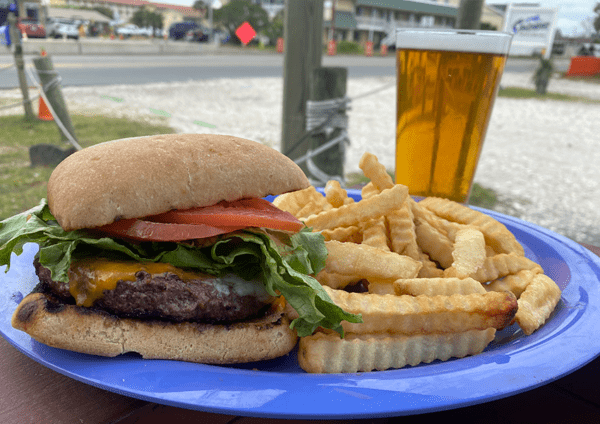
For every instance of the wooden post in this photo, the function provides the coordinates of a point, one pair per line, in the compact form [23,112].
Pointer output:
[469,14]
[47,75]
[303,44]
[326,84]
[15,38]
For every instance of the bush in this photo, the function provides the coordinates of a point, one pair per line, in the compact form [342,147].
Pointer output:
[349,47]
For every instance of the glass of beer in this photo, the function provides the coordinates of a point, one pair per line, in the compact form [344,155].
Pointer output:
[447,82]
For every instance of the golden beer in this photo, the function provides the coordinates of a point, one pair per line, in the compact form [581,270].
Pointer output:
[444,103]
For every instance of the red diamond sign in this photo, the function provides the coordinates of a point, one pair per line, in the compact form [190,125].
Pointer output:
[245,33]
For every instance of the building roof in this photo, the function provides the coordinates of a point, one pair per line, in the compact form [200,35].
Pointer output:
[77,14]
[412,6]
[184,10]
[343,20]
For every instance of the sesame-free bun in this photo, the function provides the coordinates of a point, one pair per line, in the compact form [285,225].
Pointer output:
[137,177]
[54,323]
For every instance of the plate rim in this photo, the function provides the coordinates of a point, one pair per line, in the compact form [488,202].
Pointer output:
[271,411]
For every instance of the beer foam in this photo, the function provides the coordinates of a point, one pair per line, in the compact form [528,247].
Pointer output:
[493,42]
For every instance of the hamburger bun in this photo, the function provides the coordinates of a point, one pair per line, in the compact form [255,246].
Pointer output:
[132,178]
[54,323]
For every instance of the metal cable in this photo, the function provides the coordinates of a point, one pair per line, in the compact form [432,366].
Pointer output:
[61,126]
[325,116]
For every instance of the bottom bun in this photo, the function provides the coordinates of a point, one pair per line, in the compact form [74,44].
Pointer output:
[92,331]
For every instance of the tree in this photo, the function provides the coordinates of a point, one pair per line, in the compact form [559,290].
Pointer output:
[201,4]
[145,18]
[597,18]
[236,12]
[275,28]
[106,11]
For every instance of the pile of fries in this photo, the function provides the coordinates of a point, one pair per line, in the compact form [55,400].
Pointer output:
[437,278]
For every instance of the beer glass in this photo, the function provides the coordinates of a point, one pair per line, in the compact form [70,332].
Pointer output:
[447,83]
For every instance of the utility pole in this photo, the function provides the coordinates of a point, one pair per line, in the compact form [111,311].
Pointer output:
[303,38]
[20,64]
[469,14]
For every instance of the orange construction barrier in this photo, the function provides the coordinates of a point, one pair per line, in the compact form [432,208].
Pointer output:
[331,48]
[43,111]
[280,45]
[383,50]
[584,66]
[369,48]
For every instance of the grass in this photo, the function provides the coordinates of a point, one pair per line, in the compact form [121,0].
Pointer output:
[22,186]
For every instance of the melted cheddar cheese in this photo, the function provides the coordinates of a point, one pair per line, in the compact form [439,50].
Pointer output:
[90,277]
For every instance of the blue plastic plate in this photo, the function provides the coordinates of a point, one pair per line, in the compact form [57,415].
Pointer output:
[511,364]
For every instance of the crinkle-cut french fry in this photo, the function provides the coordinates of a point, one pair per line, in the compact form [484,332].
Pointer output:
[468,253]
[496,234]
[369,190]
[448,228]
[368,262]
[402,231]
[501,265]
[435,243]
[335,280]
[375,233]
[381,287]
[354,213]
[489,250]
[537,303]
[328,353]
[437,286]
[425,314]
[345,234]
[295,201]
[313,207]
[375,171]
[336,195]
[429,268]
[515,283]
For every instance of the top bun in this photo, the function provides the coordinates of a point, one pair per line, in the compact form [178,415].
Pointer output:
[137,177]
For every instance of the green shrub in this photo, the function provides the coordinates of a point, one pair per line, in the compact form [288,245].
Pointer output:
[349,47]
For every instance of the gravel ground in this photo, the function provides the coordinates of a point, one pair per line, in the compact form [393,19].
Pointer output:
[540,156]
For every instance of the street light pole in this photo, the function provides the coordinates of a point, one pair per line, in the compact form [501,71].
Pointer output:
[469,14]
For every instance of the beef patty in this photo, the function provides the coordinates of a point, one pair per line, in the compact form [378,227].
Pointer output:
[166,296]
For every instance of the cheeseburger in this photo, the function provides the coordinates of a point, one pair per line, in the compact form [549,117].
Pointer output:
[164,246]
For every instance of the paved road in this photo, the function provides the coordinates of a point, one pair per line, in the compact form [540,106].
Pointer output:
[77,70]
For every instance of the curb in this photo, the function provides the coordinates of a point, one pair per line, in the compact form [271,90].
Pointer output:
[100,46]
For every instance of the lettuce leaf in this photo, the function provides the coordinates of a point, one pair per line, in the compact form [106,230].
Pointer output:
[284,261]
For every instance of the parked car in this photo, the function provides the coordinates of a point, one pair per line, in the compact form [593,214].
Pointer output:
[62,28]
[131,30]
[198,34]
[32,28]
[178,31]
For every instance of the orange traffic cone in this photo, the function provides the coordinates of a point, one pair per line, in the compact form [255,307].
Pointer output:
[43,111]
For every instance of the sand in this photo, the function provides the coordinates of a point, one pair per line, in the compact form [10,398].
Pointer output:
[540,156]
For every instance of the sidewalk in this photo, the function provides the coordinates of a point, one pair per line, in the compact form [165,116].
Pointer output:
[540,156]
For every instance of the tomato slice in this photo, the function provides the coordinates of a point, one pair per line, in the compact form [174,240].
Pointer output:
[204,222]
[246,212]
[142,230]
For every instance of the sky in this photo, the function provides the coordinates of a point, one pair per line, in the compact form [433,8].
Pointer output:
[571,13]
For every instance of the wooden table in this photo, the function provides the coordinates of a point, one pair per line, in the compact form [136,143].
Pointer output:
[32,393]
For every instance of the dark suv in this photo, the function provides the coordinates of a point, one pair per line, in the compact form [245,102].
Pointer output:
[178,30]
